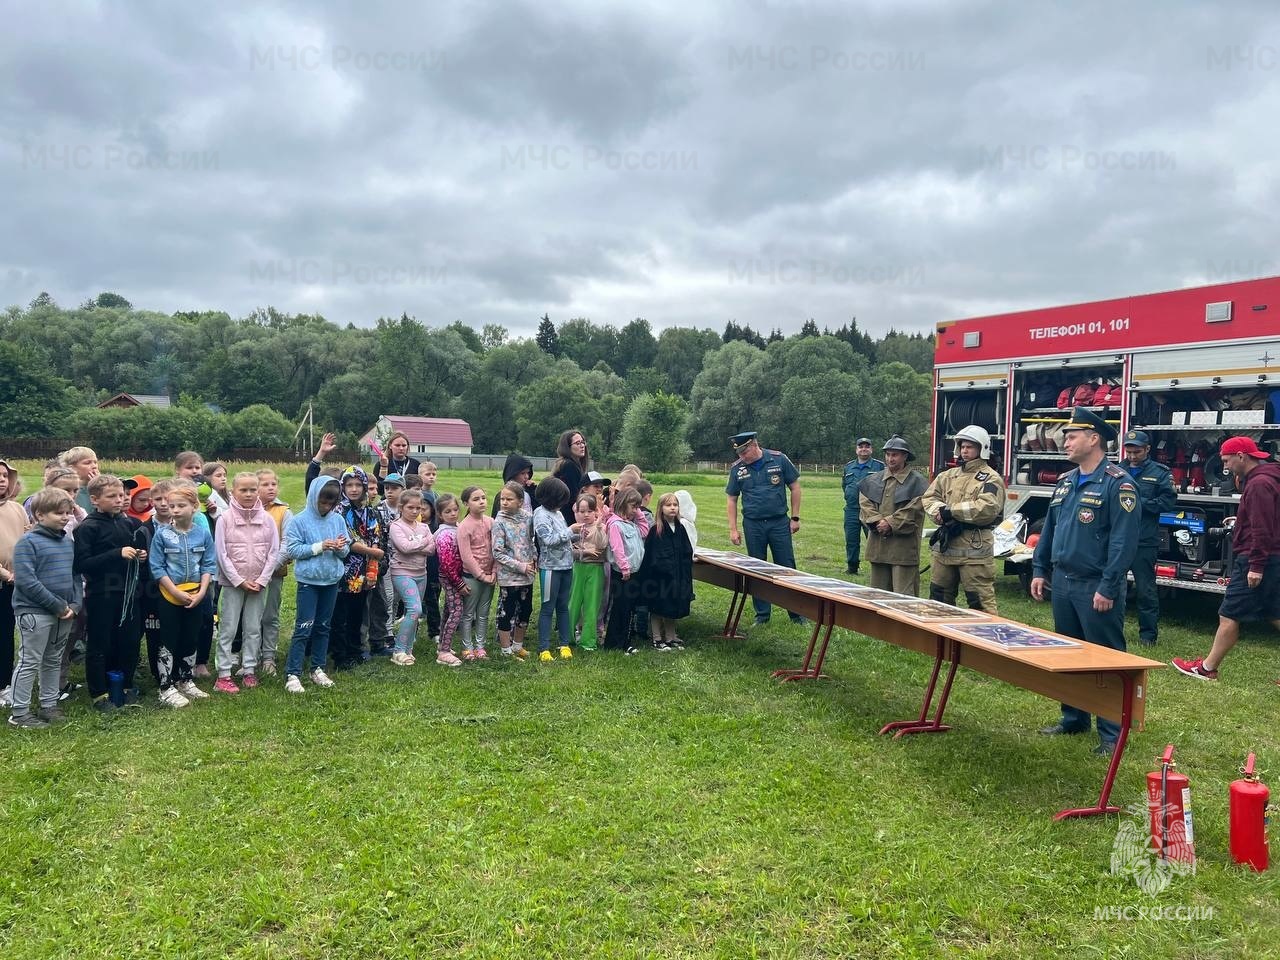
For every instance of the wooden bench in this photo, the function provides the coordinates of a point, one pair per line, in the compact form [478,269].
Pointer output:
[1103,681]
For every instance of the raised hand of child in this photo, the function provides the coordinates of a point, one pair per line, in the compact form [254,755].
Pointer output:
[328,444]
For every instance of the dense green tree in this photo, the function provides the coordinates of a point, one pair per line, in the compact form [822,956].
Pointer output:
[636,347]
[111,301]
[518,363]
[547,339]
[902,400]
[642,380]
[493,335]
[259,426]
[808,356]
[734,392]
[546,408]
[860,342]
[473,341]
[587,343]
[913,349]
[679,356]
[488,405]
[735,331]
[33,401]
[346,402]
[817,416]
[653,431]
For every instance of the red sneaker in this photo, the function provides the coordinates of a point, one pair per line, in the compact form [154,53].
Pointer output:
[1194,668]
[226,685]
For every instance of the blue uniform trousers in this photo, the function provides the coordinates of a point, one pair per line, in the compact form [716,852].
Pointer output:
[1074,616]
[775,534]
[1144,582]
[852,536]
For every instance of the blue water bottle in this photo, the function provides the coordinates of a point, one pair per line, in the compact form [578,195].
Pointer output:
[115,687]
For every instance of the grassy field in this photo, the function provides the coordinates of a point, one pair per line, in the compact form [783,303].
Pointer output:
[674,805]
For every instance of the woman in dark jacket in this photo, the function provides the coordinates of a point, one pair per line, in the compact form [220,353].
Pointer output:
[395,459]
[571,467]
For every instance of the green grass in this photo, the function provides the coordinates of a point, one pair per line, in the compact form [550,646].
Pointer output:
[678,805]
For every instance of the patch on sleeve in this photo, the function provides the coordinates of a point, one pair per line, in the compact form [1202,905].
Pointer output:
[1128,498]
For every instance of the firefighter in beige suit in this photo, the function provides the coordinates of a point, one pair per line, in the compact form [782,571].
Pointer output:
[889,507]
[967,503]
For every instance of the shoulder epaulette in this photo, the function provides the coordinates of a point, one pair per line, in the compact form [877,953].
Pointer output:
[1115,471]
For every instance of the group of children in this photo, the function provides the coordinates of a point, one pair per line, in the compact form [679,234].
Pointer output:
[196,558]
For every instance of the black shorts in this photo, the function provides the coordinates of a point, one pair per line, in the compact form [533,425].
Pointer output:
[1246,604]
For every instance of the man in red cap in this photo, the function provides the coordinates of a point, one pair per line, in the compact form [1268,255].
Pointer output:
[1254,590]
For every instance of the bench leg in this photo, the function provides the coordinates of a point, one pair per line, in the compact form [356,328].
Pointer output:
[1126,720]
[811,668]
[737,603]
[923,719]
[935,725]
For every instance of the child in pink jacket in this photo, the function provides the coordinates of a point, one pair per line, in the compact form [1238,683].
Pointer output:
[247,545]
[413,545]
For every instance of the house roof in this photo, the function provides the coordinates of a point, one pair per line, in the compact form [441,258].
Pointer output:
[141,399]
[432,430]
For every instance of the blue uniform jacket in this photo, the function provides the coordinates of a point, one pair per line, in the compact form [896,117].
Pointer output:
[763,486]
[1091,529]
[854,473]
[1155,490]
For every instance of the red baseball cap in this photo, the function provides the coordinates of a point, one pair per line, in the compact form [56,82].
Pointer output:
[1243,445]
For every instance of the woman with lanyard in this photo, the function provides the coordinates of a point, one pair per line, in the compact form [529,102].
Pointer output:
[395,459]
[571,466]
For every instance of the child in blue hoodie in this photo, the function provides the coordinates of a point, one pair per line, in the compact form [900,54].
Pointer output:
[317,540]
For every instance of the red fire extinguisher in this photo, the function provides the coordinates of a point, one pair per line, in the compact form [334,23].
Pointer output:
[1249,819]
[1169,803]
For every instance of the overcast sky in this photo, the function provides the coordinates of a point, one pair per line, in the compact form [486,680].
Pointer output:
[903,162]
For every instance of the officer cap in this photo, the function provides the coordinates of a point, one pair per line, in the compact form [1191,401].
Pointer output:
[1082,419]
[897,443]
[1137,438]
[742,439]
[862,440]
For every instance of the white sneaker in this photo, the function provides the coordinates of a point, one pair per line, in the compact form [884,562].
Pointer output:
[6,697]
[319,679]
[173,698]
[267,668]
[401,659]
[189,690]
[293,685]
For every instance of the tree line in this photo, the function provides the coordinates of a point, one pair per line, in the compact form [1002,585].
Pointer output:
[680,392]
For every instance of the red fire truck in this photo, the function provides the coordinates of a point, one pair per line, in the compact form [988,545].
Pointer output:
[1190,367]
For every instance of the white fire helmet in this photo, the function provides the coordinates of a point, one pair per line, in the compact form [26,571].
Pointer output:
[975,434]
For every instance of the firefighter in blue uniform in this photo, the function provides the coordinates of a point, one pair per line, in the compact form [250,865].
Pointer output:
[855,471]
[1088,543]
[766,480]
[1156,494]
